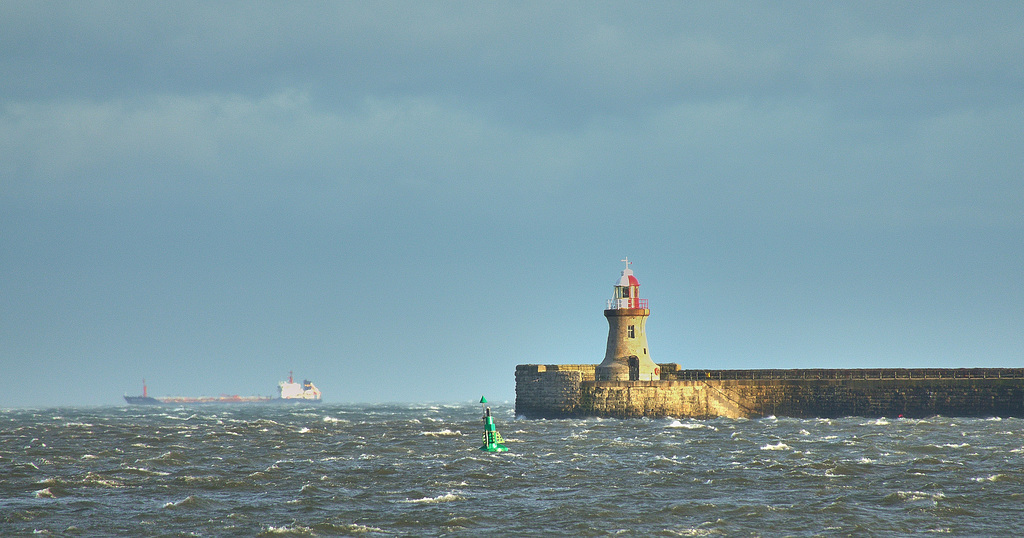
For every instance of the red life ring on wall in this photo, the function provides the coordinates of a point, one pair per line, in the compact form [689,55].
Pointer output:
[657,371]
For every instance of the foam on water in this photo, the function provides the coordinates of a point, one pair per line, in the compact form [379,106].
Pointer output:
[691,425]
[45,493]
[442,433]
[445,498]
[991,478]
[416,470]
[189,501]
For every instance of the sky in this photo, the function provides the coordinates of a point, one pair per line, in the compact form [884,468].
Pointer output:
[401,201]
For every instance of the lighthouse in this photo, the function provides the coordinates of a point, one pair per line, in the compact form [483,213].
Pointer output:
[626,357]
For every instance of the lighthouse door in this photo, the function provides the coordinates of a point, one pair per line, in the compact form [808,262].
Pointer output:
[634,368]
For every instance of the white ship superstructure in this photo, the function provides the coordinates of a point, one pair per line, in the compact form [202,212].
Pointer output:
[290,390]
[287,392]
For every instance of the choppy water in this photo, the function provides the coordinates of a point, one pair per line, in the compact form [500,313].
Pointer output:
[415,470]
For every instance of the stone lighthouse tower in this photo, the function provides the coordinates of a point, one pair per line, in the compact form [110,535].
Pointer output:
[627,357]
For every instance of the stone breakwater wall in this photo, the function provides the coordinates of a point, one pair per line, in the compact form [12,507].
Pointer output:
[561,391]
[551,391]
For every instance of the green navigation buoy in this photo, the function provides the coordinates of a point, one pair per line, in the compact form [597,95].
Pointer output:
[492,439]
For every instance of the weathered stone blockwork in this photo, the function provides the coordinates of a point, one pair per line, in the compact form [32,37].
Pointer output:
[550,391]
[553,391]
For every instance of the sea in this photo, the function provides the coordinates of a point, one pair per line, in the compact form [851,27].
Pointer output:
[417,470]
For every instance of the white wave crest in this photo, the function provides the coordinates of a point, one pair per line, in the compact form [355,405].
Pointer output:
[912,496]
[777,446]
[191,500]
[141,471]
[690,425]
[45,493]
[446,498]
[692,531]
[297,530]
[442,433]
[359,529]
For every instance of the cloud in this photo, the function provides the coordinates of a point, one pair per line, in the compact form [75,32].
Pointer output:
[226,180]
[557,65]
[731,159]
[281,145]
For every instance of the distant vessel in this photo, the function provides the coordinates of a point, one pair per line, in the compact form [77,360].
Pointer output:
[287,392]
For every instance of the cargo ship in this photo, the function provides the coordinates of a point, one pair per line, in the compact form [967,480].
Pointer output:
[287,392]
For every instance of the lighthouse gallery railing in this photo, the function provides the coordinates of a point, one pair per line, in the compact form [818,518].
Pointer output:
[626,302]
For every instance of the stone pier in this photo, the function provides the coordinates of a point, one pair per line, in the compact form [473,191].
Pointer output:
[562,391]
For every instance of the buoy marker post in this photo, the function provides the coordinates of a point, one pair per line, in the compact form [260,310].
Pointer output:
[492,439]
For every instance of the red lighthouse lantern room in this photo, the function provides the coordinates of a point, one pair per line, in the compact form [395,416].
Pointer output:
[627,291]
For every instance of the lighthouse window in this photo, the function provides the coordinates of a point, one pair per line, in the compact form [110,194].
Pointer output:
[631,331]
